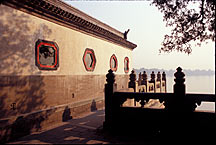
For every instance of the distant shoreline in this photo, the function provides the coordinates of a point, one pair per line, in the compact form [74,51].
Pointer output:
[188,72]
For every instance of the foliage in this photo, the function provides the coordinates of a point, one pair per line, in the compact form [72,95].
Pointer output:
[188,23]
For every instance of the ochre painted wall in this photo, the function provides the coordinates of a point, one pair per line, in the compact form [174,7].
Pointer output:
[32,98]
[31,89]
[20,31]
[34,93]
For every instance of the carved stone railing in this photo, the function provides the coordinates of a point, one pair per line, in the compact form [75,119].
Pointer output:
[143,85]
[178,101]
[177,120]
[154,85]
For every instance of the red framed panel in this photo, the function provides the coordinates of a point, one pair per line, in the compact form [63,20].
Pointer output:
[126,64]
[113,63]
[45,47]
[89,59]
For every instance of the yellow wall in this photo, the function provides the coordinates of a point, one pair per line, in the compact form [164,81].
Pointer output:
[20,31]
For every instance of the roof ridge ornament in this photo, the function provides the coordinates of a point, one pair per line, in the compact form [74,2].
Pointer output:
[125,33]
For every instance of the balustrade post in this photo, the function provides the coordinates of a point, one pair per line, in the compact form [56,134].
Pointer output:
[110,104]
[132,82]
[158,76]
[180,103]
[139,79]
[179,86]
[153,80]
[144,78]
[164,79]
[152,76]
[159,80]
[176,102]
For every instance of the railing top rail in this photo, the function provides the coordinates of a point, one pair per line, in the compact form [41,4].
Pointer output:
[195,97]
[132,95]
[201,97]
[197,94]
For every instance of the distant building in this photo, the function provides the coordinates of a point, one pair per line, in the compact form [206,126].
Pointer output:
[53,62]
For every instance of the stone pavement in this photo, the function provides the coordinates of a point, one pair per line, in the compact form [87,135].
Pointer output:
[86,129]
[81,130]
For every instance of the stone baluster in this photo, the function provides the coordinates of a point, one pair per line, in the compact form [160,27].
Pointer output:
[179,91]
[139,79]
[144,78]
[152,80]
[179,103]
[132,82]
[163,76]
[159,76]
[110,103]
[179,86]
[159,80]
[164,80]
[152,77]
[175,103]
[183,103]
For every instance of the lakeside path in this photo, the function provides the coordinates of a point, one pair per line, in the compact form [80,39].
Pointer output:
[80,130]
[85,129]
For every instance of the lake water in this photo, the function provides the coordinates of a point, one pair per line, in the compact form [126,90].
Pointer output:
[197,84]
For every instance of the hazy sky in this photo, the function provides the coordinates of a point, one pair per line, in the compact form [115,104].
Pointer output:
[147,30]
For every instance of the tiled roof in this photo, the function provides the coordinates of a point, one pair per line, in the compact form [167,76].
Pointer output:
[59,12]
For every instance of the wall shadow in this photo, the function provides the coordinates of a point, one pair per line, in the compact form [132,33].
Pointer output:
[20,94]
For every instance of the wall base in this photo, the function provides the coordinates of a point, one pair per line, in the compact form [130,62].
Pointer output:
[22,125]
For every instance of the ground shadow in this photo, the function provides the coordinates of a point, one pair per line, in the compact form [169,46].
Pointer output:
[93,106]
[66,114]
[87,130]
[80,130]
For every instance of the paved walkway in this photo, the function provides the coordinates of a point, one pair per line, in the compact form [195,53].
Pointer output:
[87,129]
[81,130]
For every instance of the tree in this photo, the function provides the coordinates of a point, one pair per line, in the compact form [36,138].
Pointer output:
[189,24]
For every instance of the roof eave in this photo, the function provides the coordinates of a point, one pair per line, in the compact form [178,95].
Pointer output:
[59,12]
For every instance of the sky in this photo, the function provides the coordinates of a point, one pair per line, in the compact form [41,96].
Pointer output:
[147,30]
